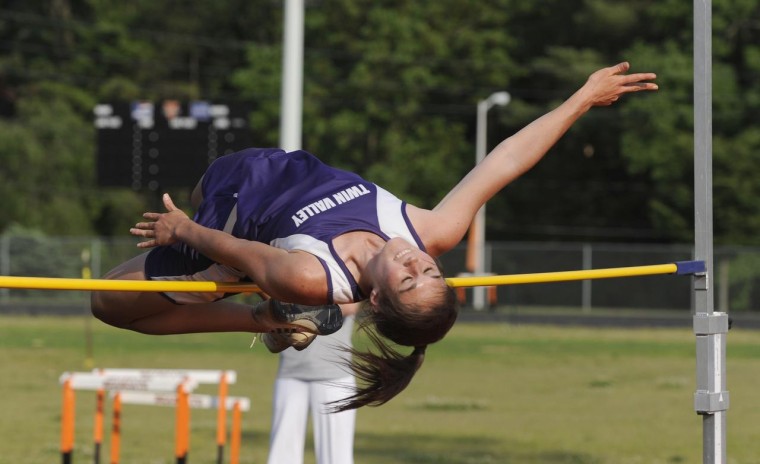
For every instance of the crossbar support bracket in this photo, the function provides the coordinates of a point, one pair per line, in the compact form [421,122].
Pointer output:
[711,323]
[711,402]
[711,330]
[690,267]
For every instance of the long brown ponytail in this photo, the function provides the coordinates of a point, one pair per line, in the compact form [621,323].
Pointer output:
[385,374]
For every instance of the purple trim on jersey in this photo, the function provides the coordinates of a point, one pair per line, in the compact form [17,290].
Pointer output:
[355,290]
[329,280]
[412,230]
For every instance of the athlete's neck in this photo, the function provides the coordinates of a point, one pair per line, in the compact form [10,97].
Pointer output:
[356,249]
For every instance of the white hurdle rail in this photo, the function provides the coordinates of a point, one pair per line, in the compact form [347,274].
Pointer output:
[195,401]
[200,376]
[97,381]
[154,387]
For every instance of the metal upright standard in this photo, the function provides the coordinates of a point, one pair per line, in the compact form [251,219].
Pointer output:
[711,397]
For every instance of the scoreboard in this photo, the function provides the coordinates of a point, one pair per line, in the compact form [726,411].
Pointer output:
[152,146]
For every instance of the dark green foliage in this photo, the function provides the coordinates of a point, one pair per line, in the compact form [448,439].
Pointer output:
[390,90]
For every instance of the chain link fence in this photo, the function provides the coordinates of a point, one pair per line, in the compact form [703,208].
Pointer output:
[736,275]
[735,278]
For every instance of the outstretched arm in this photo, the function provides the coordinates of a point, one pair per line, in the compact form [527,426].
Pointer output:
[295,277]
[520,152]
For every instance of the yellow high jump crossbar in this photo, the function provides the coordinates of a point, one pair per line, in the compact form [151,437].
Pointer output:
[56,283]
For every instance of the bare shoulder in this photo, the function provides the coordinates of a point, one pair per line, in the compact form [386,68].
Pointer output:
[437,231]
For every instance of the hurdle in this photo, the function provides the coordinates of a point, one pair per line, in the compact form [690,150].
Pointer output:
[198,375]
[101,382]
[184,403]
[163,387]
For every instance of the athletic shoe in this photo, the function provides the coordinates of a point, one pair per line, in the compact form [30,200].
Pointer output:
[319,320]
[314,320]
[277,341]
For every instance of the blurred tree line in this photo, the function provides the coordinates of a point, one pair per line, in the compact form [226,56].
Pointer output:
[390,91]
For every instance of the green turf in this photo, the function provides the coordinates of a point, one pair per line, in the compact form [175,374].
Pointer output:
[487,394]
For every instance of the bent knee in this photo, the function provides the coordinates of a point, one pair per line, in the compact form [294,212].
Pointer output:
[98,305]
[105,307]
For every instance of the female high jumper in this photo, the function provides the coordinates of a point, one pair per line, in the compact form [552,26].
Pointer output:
[313,237]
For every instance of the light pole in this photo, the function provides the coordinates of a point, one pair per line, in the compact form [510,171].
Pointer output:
[501,99]
[292,76]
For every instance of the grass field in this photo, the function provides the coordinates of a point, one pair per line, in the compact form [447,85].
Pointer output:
[487,394]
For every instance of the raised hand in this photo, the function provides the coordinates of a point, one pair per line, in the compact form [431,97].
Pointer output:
[604,87]
[162,227]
